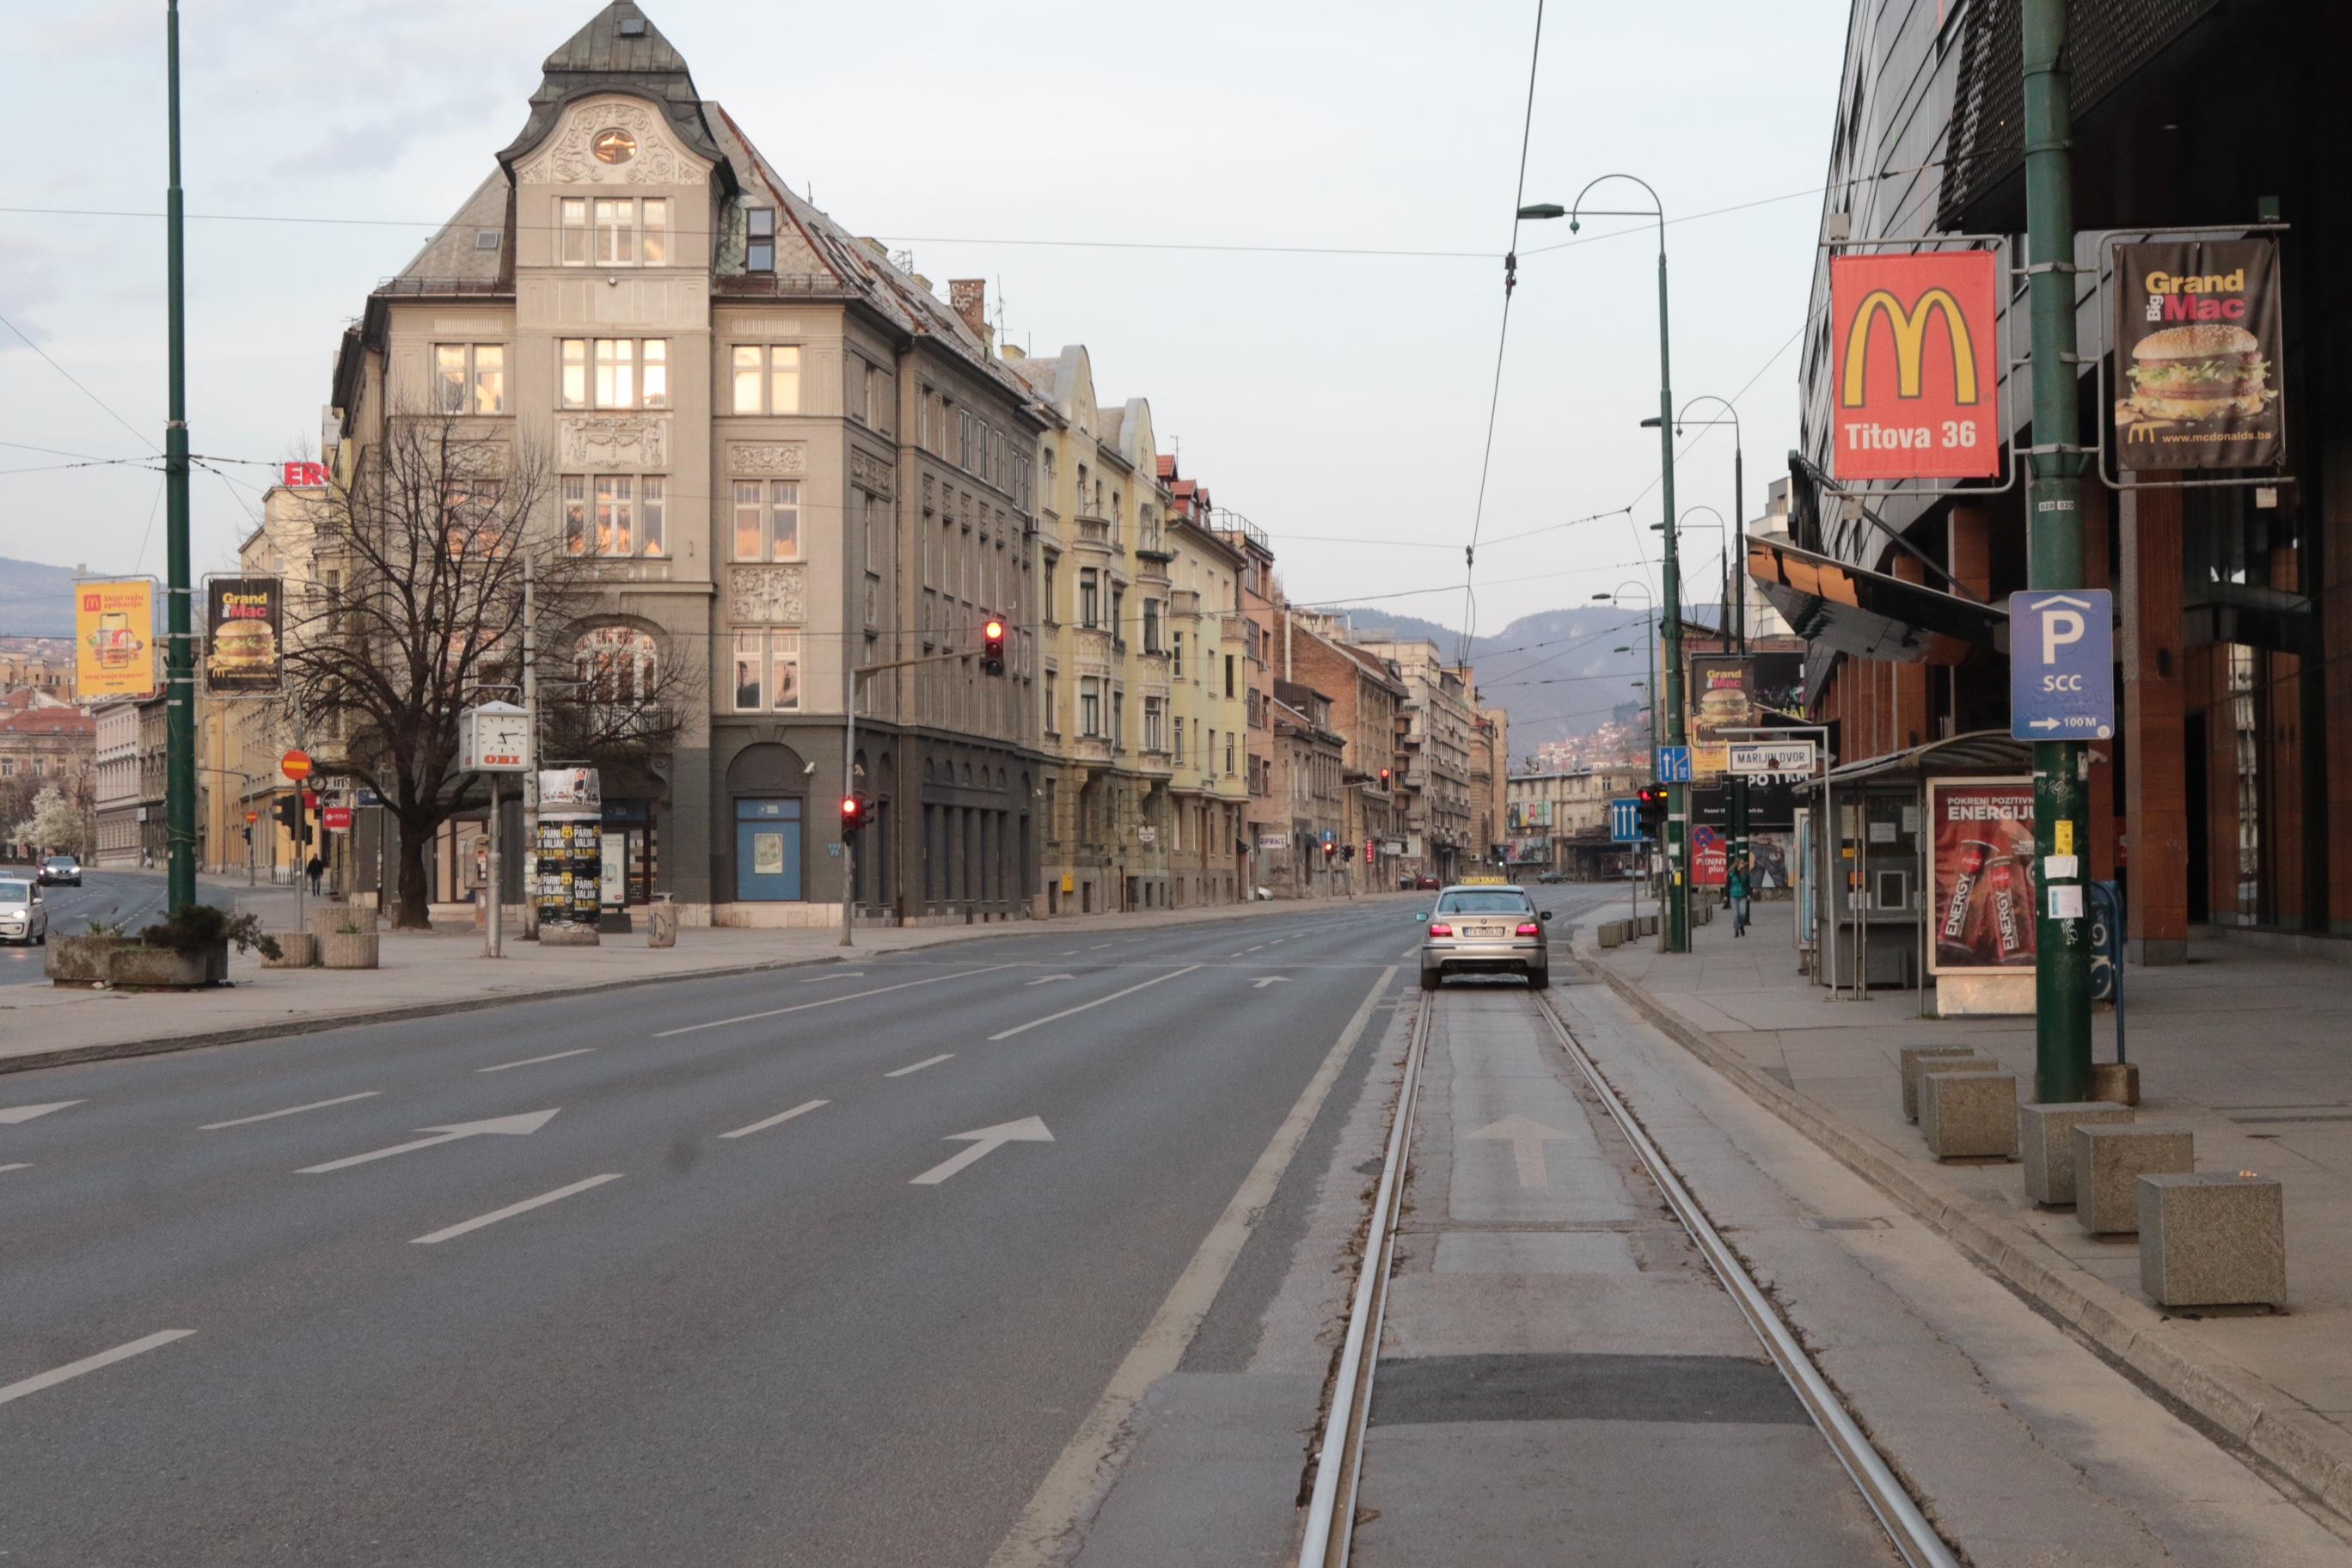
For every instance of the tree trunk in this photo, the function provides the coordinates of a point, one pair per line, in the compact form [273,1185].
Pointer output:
[416,912]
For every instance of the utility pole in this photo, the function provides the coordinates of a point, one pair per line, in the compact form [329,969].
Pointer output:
[179,650]
[2056,461]
[530,773]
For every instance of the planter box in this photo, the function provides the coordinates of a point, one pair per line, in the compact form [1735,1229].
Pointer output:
[327,920]
[134,966]
[296,950]
[82,959]
[348,950]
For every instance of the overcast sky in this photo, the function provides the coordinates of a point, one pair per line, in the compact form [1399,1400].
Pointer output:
[1319,394]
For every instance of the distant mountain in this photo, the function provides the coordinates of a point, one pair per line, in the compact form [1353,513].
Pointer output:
[36,600]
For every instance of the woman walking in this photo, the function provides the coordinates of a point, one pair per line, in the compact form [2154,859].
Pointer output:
[1736,888]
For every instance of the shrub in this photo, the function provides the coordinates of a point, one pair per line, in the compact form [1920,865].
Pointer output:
[193,929]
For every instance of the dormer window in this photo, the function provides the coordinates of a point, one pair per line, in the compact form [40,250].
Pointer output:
[759,239]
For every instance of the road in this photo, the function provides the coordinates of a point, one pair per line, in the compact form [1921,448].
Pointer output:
[809,1267]
[129,899]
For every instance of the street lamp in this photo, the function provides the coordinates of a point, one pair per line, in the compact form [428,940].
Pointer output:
[1675,927]
[1649,657]
[1735,579]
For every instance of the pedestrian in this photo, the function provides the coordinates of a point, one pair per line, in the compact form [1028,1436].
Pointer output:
[314,870]
[1736,888]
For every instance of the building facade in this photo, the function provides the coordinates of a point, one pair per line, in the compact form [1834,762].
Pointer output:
[1559,822]
[1439,720]
[1308,790]
[1246,674]
[1367,705]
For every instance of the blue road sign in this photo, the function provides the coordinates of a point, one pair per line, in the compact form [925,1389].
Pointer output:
[1673,764]
[2062,655]
[1624,820]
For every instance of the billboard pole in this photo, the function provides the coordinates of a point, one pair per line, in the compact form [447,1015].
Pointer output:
[179,653]
[2062,951]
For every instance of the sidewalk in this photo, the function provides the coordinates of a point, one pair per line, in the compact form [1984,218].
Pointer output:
[443,971]
[2247,1051]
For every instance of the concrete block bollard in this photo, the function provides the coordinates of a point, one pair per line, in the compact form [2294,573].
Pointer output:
[2212,1239]
[2110,1159]
[2046,1135]
[1911,1058]
[1969,1114]
[1613,934]
[2118,1083]
[1647,925]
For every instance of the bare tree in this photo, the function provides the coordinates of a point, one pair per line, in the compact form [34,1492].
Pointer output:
[416,613]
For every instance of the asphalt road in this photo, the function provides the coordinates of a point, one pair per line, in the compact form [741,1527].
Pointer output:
[132,898]
[733,1284]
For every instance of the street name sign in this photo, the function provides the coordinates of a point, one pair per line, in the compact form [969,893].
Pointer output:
[1749,758]
[1624,820]
[1673,764]
[2062,665]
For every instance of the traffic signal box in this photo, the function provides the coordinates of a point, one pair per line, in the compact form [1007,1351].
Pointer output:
[1653,811]
[992,648]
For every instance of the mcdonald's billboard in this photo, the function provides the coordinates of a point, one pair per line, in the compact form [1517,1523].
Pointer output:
[1915,366]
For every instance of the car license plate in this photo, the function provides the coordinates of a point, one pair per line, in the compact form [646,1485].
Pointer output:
[1486,930]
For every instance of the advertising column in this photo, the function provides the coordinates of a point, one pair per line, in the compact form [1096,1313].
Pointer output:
[568,870]
[1981,895]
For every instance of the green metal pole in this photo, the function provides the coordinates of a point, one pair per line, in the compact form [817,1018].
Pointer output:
[179,656]
[1735,588]
[2061,967]
[1675,927]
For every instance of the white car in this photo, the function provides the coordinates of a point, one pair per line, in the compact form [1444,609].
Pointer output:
[1484,927]
[24,914]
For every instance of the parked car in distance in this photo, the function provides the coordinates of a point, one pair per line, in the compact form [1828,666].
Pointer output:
[1553,877]
[59,870]
[24,914]
[1484,929]
[1428,884]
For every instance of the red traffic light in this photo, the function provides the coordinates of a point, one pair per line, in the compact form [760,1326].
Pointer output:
[992,648]
[852,811]
[994,631]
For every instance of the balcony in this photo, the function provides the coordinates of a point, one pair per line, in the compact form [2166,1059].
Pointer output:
[1094,532]
[1234,630]
[1185,602]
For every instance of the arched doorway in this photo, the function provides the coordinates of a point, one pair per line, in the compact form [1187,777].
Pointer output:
[769,786]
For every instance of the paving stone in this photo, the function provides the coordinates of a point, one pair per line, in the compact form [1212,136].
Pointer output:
[2045,1133]
[1969,1113]
[2212,1239]
[2109,1159]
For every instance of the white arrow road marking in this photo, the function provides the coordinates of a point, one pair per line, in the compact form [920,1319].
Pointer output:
[1271,979]
[801,1110]
[1527,1140]
[926,1062]
[478,1220]
[534,1061]
[291,1111]
[829,1001]
[11,1115]
[846,975]
[1028,1130]
[1084,1007]
[73,1368]
[528,1122]
[1044,978]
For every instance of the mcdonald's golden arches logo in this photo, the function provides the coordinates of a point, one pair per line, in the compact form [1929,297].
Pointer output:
[1910,328]
[1916,376]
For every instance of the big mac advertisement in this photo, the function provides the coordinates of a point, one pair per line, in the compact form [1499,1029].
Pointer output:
[1982,894]
[2197,341]
[1719,702]
[243,621]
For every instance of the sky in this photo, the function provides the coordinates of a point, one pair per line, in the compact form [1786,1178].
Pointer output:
[1061,151]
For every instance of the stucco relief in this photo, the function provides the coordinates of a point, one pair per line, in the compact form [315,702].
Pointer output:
[772,593]
[779,461]
[660,161]
[634,441]
[869,473]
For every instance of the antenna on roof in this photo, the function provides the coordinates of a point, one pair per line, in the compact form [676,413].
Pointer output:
[1000,306]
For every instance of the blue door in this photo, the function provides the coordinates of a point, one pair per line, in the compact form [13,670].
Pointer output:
[767,850]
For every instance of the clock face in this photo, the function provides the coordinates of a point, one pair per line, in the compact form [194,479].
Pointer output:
[613,146]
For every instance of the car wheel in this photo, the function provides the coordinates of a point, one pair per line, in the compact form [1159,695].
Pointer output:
[1431,979]
[1539,979]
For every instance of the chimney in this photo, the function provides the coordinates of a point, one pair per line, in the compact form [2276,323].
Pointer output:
[968,297]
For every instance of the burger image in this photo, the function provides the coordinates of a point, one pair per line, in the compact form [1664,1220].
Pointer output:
[243,647]
[2208,370]
[1723,706]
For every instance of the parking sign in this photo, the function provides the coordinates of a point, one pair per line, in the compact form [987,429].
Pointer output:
[2061,659]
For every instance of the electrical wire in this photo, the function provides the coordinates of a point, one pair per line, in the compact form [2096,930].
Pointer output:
[85,390]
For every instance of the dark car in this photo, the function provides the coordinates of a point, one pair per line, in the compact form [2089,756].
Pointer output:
[59,870]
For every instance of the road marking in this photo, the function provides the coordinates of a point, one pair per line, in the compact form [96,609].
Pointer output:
[73,1369]
[846,975]
[1084,1007]
[1043,979]
[986,1140]
[291,1111]
[1066,952]
[522,1125]
[15,1114]
[781,1116]
[1259,948]
[19,1165]
[1074,1488]
[1271,979]
[1098,947]
[534,1061]
[1527,1140]
[1411,951]
[830,1001]
[926,1062]
[478,1220]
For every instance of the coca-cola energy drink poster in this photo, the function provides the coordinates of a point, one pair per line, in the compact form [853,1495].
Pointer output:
[1982,897]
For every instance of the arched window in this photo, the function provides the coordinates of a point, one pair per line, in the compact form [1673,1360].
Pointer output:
[614,666]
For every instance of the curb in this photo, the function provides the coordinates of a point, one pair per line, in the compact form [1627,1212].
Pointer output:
[2313,1453]
[311,1024]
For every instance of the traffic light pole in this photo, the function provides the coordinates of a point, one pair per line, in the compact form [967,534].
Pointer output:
[850,768]
[2056,461]
[179,650]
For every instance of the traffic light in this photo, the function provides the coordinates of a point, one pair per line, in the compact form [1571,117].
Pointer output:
[992,648]
[1653,811]
[1384,778]
[1330,851]
[292,817]
[852,815]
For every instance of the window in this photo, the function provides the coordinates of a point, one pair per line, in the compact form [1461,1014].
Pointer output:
[1179,746]
[767,520]
[615,515]
[1090,597]
[614,666]
[767,379]
[1053,608]
[572,228]
[1176,654]
[1053,703]
[758,239]
[1090,709]
[613,372]
[1155,737]
[767,671]
[1119,616]
[1229,754]
[469,378]
[613,231]
[1118,718]
[1151,627]
[654,214]
[1229,677]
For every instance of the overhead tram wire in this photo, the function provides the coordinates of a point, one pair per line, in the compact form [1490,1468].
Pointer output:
[85,390]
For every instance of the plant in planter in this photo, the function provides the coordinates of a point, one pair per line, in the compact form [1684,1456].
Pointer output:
[196,929]
[349,945]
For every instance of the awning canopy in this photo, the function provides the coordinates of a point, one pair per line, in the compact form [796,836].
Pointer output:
[1981,753]
[1869,614]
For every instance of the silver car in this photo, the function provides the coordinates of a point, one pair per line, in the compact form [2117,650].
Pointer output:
[24,914]
[1484,927]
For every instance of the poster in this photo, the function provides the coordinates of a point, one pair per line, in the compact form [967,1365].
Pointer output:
[2197,350]
[244,621]
[1915,348]
[1983,895]
[1776,685]
[114,639]
[1717,702]
[1710,858]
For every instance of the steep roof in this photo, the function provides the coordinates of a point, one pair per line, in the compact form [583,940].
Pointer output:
[620,50]
[454,254]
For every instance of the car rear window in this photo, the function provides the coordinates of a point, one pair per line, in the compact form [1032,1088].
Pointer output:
[1484,903]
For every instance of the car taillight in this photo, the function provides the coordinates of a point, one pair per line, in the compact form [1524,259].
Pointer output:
[1441,931]
[1530,929]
